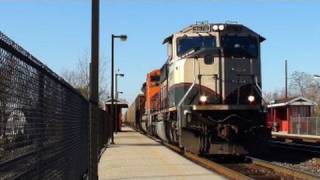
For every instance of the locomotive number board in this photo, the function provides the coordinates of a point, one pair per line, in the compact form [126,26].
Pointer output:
[203,28]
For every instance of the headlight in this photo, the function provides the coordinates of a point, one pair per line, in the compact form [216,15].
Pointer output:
[215,27]
[251,98]
[203,99]
[221,27]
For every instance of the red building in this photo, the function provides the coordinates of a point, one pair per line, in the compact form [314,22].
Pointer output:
[282,110]
[119,105]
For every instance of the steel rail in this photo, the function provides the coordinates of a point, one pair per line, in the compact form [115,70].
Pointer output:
[220,169]
[284,170]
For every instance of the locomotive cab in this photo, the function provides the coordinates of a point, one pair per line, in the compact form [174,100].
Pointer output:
[227,66]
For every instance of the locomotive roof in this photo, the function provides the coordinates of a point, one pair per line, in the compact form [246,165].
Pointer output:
[227,27]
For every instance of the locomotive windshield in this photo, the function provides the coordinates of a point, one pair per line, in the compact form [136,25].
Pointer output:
[238,46]
[155,78]
[186,44]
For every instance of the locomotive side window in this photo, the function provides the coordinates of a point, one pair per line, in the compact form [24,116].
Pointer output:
[155,80]
[164,73]
[238,46]
[186,44]
[169,51]
[208,59]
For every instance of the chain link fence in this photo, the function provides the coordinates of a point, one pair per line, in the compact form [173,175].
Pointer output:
[44,122]
[104,129]
[305,125]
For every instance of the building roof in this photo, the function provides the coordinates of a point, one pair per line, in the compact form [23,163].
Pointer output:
[292,101]
[284,100]
[120,102]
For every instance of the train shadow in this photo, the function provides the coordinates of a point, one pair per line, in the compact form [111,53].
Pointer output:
[127,130]
[282,155]
[228,159]
[274,154]
[135,145]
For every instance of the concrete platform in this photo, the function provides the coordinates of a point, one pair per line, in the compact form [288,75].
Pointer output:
[135,156]
[295,137]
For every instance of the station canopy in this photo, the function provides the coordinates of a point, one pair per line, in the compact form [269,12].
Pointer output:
[292,101]
[119,102]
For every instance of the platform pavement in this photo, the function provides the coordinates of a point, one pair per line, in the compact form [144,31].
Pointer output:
[296,137]
[135,156]
[284,134]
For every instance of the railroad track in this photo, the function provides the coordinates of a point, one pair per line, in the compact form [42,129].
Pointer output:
[299,156]
[260,169]
[252,168]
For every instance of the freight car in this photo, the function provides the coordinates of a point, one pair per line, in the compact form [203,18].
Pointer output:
[207,97]
[134,114]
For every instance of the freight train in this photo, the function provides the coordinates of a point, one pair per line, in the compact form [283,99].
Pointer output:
[207,97]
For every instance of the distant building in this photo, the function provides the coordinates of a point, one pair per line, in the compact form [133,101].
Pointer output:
[282,110]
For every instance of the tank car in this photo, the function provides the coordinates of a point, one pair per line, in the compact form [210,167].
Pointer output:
[207,97]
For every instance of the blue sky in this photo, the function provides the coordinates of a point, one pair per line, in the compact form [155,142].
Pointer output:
[58,32]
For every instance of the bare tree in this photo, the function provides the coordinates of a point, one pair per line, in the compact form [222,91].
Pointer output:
[79,77]
[273,95]
[304,84]
[301,83]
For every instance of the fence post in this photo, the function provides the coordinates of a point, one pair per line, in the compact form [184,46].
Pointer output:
[307,126]
[316,126]
[40,124]
[291,126]
[299,124]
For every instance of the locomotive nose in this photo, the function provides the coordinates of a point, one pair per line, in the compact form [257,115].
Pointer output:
[228,132]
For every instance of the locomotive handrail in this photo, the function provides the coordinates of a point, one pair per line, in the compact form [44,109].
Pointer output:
[182,100]
[260,92]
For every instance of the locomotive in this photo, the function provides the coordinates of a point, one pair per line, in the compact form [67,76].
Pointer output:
[207,97]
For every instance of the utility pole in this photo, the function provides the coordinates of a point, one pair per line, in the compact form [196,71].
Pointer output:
[94,90]
[286,79]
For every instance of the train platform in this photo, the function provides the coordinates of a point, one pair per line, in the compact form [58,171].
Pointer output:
[136,156]
[295,137]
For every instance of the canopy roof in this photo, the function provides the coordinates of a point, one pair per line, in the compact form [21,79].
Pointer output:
[292,101]
[118,102]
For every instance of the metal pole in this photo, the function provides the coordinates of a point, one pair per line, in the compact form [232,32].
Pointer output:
[307,122]
[112,89]
[116,108]
[117,101]
[286,79]
[316,126]
[116,87]
[94,88]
